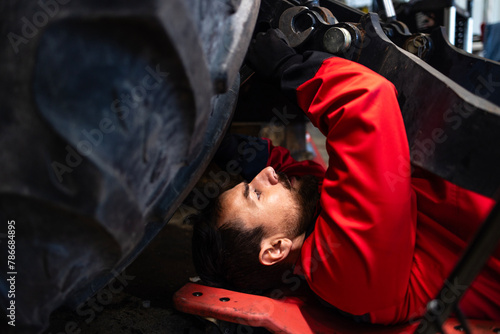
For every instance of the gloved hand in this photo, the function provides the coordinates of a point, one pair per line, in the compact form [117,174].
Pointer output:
[269,53]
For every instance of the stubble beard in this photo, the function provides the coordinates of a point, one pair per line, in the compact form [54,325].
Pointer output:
[307,197]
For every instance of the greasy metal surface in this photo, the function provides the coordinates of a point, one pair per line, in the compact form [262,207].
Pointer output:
[299,23]
[292,315]
[287,25]
[109,115]
[337,40]
[478,75]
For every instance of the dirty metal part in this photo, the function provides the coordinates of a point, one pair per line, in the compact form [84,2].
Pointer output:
[397,26]
[111,111]
[474,73]
[344,39]
[299,23]
[420,45]
[478,75]
[325,15]
[337,40]
[397,32]
[288,25]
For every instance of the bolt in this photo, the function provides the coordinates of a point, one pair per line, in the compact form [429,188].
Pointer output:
[337,40]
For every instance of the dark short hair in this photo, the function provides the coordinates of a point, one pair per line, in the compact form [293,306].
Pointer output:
[229,256]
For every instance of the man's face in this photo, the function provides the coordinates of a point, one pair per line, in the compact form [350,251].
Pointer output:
[270,200]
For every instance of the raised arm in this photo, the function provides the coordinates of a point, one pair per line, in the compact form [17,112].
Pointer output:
[360,254]
[365,236]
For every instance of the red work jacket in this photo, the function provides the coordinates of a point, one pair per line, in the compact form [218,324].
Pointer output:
[386,238]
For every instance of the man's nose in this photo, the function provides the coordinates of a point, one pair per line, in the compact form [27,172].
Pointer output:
[267,176]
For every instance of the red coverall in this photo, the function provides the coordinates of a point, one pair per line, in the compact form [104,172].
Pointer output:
[385,240]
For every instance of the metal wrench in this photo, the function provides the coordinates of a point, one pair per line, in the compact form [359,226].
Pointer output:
[298,23]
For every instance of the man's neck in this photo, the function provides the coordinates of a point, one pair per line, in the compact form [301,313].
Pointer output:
[297,243]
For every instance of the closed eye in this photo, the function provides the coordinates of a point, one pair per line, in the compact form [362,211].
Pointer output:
[257,193]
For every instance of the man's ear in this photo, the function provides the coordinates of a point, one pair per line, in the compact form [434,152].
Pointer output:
[274,250]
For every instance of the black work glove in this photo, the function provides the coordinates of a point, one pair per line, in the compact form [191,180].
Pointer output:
[269,54]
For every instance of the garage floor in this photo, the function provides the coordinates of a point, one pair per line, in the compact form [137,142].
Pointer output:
[144,305]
